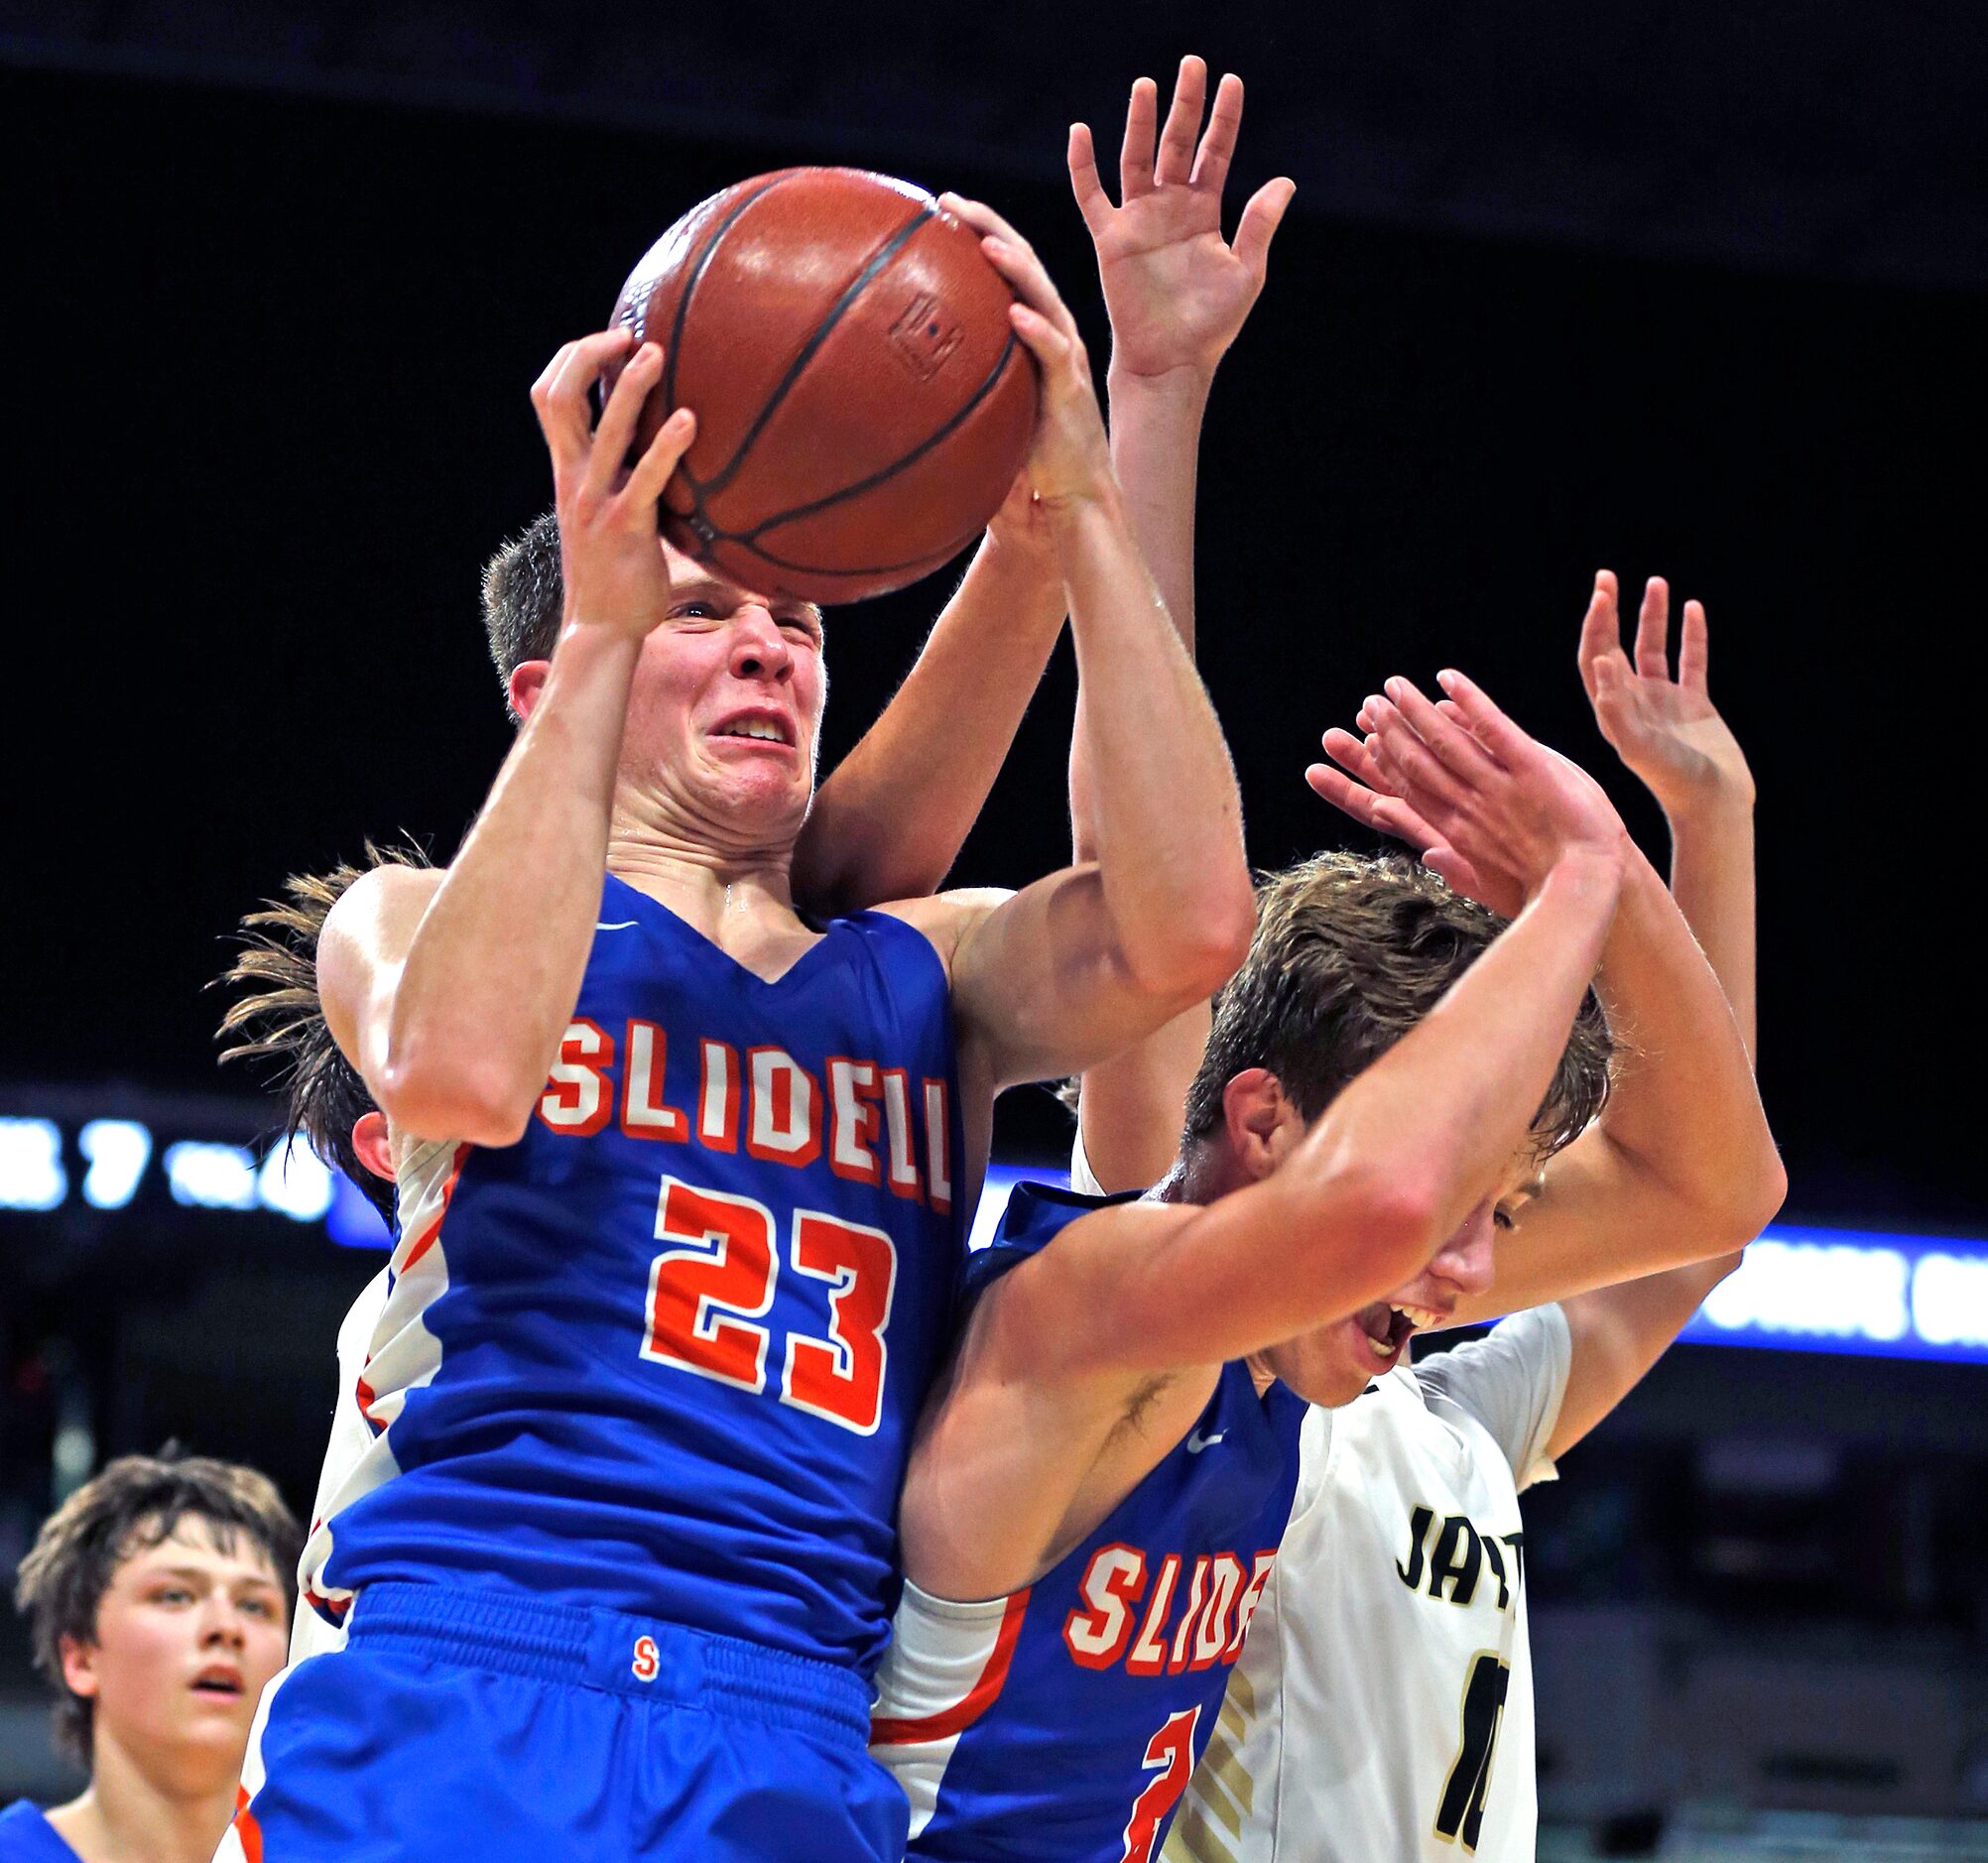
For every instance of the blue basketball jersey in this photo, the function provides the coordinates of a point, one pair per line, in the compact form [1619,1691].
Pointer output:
[663,1356]
[1063,1722]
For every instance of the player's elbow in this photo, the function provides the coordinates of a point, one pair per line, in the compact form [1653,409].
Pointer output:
[474,1101]
[1194,952]
[1744,1198]
[1765,1193]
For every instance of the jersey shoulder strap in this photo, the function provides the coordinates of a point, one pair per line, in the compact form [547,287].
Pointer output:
[1036,1213]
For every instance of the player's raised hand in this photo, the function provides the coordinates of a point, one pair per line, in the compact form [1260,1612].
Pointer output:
[1069,458]
[1665,729]
[1499,809]
[610,552]
[1177,291]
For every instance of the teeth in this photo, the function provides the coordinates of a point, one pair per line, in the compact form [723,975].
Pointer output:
[1421,1317]
[1382,1349]
[756,728]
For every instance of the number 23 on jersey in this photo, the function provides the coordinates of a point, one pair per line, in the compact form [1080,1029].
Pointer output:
[717,1278]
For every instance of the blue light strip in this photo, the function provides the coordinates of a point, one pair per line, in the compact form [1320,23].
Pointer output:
[1854,1291]
[1803,1288]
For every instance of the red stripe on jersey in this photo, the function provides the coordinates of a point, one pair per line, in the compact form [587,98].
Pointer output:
[426,1240]
[246,1828]
[970,1706]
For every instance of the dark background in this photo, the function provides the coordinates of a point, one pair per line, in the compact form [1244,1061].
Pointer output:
[1693,290]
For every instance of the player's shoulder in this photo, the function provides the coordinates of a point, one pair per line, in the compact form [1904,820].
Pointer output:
[1054,1248]
[380,901]
[944,919]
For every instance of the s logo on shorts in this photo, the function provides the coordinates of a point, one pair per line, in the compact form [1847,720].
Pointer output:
[647,1661]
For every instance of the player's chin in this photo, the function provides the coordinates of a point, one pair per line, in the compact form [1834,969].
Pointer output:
[1332,1366]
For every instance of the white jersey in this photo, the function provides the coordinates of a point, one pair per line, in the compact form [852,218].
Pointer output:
[1383,1706]
[352,1437]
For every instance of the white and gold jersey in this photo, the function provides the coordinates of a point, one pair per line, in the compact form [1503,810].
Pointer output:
[1383,1706]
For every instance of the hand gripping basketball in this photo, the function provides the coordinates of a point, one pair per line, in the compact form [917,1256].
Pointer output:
[1069,458]
[615,574]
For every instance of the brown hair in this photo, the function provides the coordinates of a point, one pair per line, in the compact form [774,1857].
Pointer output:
[524,598]
[1350,952]
[137,1502]
[280,1017]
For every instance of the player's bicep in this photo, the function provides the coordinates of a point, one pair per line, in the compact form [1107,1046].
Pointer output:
[360,952]
[1042,984]
[1130,1108]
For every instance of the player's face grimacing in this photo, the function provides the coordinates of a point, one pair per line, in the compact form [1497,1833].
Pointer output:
[1332,1365]
[727,702]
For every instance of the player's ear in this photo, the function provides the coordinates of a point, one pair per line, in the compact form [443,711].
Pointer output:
[371,1140]
[1263,1125]
[78,1656]
[527,681]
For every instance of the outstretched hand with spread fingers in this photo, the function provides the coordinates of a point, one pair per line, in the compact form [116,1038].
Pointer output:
[1486,806]
[1667,730]
[1177,291]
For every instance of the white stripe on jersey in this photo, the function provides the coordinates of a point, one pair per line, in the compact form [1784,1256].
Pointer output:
[1383,1706]
[394,1354]
[943,1671]
[352,1437]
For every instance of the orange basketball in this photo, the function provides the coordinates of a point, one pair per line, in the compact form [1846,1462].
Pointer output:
[863,403]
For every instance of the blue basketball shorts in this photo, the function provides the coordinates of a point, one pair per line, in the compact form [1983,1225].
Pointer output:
[465,1727]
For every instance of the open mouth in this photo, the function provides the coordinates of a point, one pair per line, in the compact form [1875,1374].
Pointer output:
[761,730]
[1389,1326]
[223,1684]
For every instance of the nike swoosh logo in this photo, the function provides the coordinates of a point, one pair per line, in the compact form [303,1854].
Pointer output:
[620,925]
[1197,1443]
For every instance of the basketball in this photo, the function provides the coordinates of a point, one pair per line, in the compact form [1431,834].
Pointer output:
[863,404]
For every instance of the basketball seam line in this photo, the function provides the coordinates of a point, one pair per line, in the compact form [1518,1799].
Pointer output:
[683,312]
[822,331]
[933,557]
[683,315]
[750,538]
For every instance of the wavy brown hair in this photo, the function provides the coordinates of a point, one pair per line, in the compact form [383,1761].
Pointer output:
[278,1016]
[135,1504]
[1350,952]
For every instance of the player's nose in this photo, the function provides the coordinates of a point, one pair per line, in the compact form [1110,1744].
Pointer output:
[1465,1260]
[759,649]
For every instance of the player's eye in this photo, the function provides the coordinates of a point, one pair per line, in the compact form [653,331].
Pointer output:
[1505,1218]
[172,1594]
[258,1606]
[694,611]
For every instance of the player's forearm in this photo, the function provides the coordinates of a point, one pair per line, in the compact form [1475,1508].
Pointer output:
[1155,441]
[889,821]
[1166,814]
[1684,1111]
[1712,881]
[1156,449]
[1131,1106]
[1446,1110]
[492,974]
[1408,1147]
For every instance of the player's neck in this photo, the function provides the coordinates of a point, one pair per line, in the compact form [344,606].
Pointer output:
[128,1817]
[707,872]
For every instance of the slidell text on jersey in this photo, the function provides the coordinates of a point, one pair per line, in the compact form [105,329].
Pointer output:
[1448,1555]
[1129,1605]
[873,1123]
